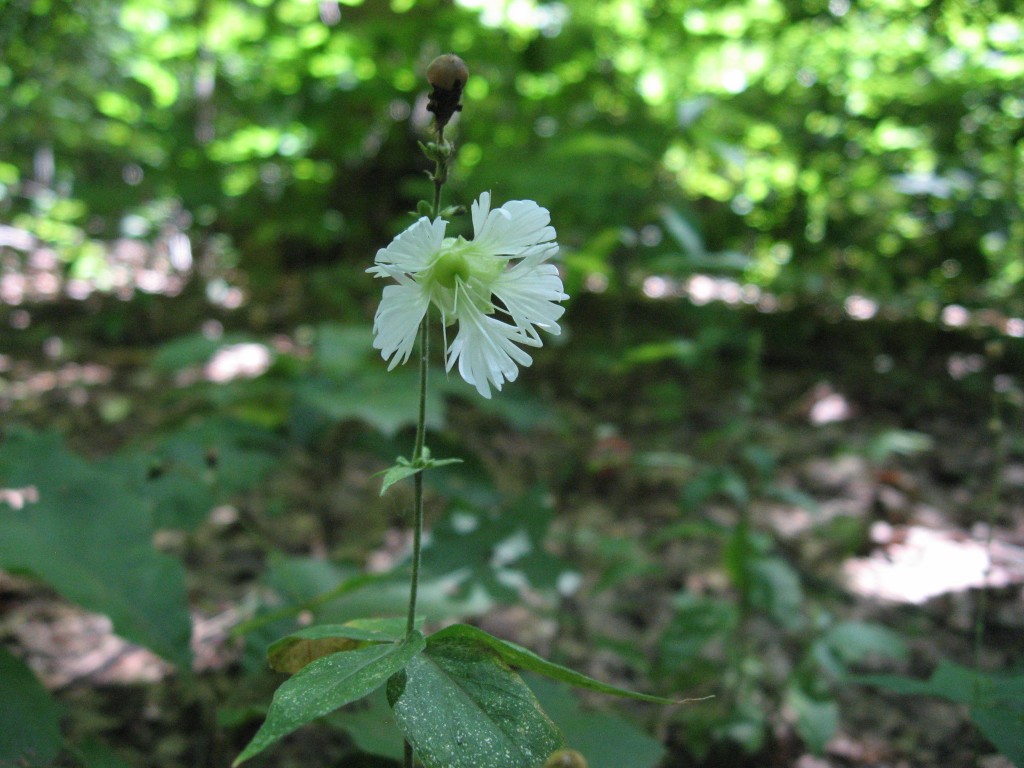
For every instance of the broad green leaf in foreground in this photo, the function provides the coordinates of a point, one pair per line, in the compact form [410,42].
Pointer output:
[460,706]
[517,656]
[328,683]
[29,718]
[89,534]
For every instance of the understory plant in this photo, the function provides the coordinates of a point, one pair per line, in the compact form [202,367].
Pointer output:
[454,693]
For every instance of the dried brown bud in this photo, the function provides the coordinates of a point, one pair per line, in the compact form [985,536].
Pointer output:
[448,75]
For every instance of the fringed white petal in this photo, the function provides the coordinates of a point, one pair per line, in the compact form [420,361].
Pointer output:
[529,290]
[509,279]
[398,320]
[486,350]
[412,250]
[509,230]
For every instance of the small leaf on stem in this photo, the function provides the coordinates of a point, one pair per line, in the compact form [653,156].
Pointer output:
[404,468]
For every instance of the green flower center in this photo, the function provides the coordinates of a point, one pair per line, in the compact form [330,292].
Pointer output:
[450,266]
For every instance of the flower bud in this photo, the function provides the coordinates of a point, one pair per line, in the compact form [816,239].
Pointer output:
[447,74]
[565,758]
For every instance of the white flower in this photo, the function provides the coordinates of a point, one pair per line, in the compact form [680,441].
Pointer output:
[497,286]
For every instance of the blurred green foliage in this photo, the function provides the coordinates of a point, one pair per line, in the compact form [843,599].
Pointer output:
[871,147]
[815,149]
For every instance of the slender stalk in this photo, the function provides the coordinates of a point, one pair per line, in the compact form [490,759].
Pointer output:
[417,530]
[439,177]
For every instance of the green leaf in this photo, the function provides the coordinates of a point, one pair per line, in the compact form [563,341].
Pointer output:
[605,740]
[816,719]
[92,753]
[191,470]
[995,700]
[854,641]
[386,400]
[517,656]
[328,683]
[404,468]
[775,589]
[343,350]
[90,536]
[495,552]
[1003,726]
[292,653]
[697,621]
[29,718]
[682,231]
[459,706]
[371,725]
[898,442]
[193,350]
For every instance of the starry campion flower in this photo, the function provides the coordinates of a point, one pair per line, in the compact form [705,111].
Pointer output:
[498,286]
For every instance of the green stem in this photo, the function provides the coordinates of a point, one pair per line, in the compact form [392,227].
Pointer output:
[440,177]
[421,428]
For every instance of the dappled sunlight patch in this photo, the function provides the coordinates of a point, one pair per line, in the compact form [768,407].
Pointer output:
[32,272]
[238,361]
[860,307]
[67,645]
[23,383]
[19,498]
[914,564]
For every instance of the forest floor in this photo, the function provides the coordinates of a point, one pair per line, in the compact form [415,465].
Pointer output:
[914,520]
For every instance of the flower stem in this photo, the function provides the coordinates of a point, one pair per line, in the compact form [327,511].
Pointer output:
[440,174]
[439,177]
[417,454]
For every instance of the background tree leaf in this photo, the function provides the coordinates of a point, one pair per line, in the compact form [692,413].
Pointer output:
[29,718]
[90,537]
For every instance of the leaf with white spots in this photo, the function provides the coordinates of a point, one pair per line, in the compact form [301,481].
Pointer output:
[460,706]
[328,683]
